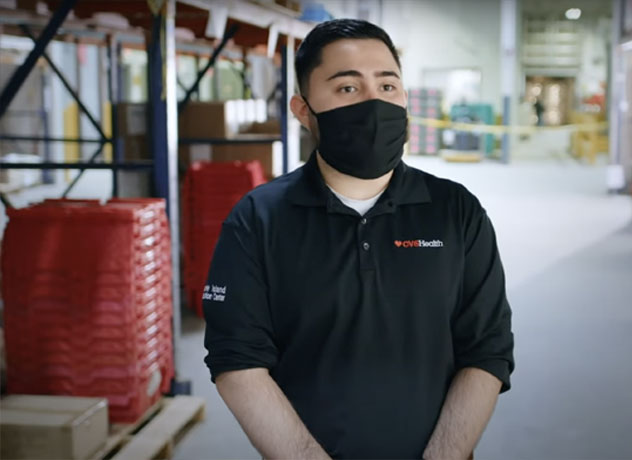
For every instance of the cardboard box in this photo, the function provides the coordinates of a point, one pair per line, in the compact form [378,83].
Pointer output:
[220,119]
[135,148]
[266,127]
[270,154]
[27,5]
[131,119]
[191,153]
[133,131]
[45,427]
[198,120]
[293,5]
[204,120]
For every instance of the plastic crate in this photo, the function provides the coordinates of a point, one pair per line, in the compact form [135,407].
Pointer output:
[209,193]
[87,299]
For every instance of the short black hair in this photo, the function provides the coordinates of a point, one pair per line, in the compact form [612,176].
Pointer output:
[309,54]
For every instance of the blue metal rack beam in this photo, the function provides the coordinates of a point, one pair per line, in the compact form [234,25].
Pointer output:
[157,110]
[8,137]
[162,104]
[182,140]
[20,74]
[115,95]
[283,111]
[5,201]
[82,165]
[222,141]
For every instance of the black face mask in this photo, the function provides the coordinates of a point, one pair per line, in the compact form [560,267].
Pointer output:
[364,140]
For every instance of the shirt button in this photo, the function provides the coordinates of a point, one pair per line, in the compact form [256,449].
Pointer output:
[366,246]
[363,221]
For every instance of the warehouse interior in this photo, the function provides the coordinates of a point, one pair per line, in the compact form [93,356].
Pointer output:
[129,129]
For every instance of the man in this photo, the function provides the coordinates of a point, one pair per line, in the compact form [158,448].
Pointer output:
[538,107]
[356,307]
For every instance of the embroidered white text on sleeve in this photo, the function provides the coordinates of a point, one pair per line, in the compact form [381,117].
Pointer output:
[214,293]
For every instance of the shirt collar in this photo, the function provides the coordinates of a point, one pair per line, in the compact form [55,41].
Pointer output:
[310,188]
[405,187]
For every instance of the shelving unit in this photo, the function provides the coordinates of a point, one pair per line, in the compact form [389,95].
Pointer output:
[153,28]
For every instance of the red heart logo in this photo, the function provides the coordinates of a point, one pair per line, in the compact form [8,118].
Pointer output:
[398,243]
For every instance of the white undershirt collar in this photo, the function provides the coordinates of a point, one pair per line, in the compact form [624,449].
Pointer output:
[360,206]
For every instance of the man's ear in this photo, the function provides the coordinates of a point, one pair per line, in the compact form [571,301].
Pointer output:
[300,110]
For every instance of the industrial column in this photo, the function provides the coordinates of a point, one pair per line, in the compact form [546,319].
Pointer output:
[163,128]
[619,178]
[508,28]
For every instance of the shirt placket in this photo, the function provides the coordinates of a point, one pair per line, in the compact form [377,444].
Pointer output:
[364,243]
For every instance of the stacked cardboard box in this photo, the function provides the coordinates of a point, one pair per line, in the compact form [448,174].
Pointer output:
[132,131]
[45,427]
[424,103]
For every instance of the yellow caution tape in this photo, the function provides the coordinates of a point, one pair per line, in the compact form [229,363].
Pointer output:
[502,129]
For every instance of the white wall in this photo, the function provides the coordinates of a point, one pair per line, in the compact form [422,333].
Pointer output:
[595,35]
[370,10]
[438,34]
[447,34]
[458,34]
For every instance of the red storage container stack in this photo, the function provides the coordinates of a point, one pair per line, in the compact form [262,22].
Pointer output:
[209,193]
[87,302]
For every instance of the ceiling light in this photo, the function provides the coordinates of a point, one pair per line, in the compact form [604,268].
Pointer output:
[573,13]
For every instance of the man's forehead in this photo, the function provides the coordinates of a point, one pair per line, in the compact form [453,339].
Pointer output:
[351,53]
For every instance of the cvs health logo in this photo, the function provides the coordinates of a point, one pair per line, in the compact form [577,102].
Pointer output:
[418,244]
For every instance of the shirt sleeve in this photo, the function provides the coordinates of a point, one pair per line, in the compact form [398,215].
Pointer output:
[238,325]
[481,327]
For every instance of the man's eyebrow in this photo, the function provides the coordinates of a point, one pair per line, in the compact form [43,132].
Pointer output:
[355,73]
[345,73]
[386,73]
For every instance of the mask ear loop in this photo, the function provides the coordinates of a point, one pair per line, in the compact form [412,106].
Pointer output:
[308,106]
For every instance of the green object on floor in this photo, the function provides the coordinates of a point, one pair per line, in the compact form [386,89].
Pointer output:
[477,113]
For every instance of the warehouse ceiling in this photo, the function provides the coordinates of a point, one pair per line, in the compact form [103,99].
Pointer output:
[138,14]
[557,8]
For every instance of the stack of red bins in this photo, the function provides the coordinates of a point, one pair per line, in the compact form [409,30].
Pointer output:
[87,302]
[209,193]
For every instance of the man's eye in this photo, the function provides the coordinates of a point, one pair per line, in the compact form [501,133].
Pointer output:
[388,87]
[347,89]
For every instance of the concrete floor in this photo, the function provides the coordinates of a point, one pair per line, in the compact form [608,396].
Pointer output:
[567,250]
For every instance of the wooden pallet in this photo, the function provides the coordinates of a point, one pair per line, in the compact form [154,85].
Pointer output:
[461,156]
[155,433]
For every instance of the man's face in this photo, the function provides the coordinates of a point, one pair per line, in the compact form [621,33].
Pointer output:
[351,71]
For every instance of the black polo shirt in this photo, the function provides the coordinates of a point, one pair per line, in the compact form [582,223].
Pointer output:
[362,321]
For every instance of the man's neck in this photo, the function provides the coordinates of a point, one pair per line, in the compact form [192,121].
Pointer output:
[349,186]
